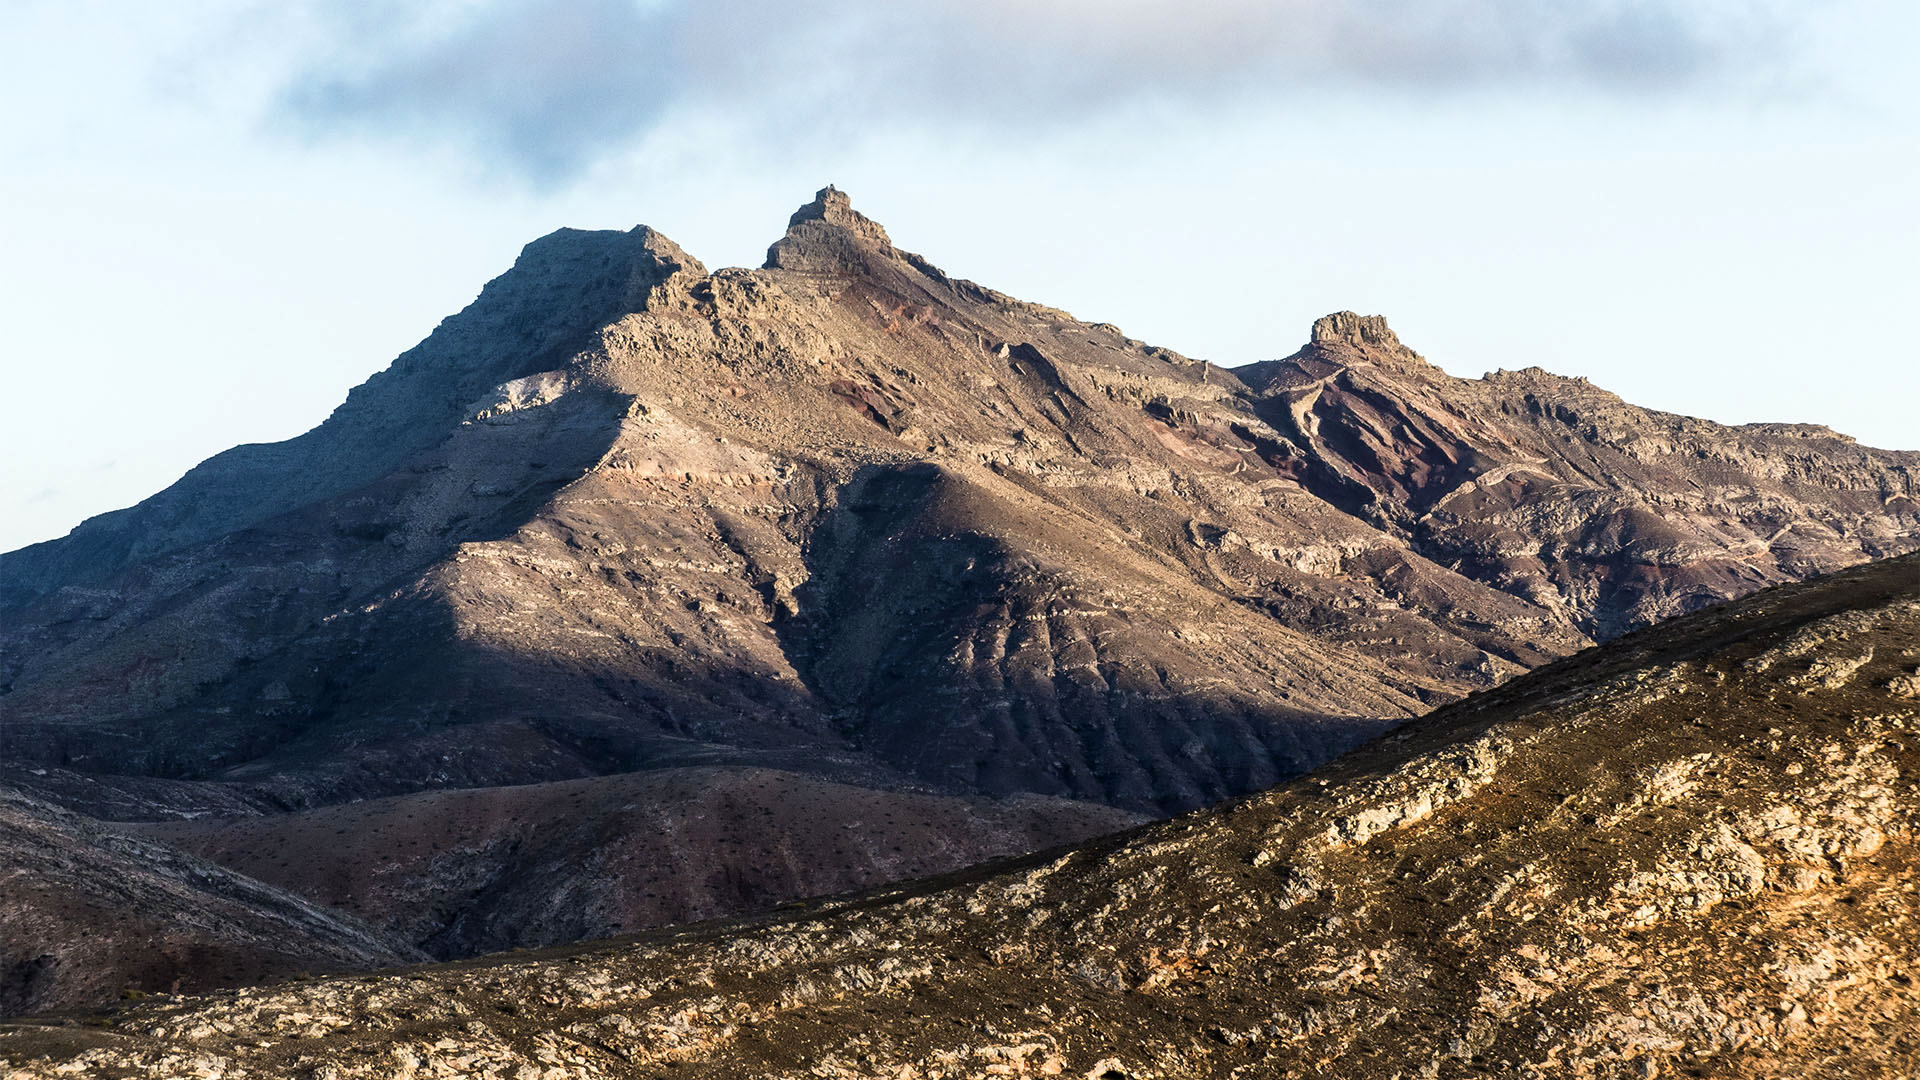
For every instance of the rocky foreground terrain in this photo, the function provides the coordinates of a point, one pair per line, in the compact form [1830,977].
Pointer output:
[1688,853]
[660,566]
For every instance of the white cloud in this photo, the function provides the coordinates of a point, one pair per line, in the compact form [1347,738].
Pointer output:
[545,90]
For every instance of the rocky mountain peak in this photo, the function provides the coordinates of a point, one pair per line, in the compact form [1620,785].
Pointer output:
[827,235]
[1345,337]
[666,255]
[835,207]
[658,267]
[562,288]
[1345,327]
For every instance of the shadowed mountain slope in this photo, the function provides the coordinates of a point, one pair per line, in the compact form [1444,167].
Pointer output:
[1690,852]
[849,519]
[459,873]
[89,912]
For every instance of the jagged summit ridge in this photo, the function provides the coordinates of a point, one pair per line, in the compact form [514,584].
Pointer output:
[1348,327]
[828,235]
[1345,336]
[835,207]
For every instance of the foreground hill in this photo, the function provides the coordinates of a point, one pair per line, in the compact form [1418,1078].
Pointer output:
[846,523]
[1690,852]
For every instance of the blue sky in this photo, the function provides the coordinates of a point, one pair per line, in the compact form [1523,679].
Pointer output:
[217,215]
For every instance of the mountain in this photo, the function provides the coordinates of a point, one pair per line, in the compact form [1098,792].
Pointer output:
[846,524]
[1549,488]
[1690,852]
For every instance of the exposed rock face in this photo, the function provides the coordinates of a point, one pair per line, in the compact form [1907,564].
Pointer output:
[1344,329]
[850,519]
[1691,852]
[829,236]
[1551,489]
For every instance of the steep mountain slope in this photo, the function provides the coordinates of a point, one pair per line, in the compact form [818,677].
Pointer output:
[563,288]
[1691,852]
[851,520]
[1552,489]
[89,912]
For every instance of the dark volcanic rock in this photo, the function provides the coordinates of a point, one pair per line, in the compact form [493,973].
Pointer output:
[850,519]
[1688,853]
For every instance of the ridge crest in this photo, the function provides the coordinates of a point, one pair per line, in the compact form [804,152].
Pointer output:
[827,234]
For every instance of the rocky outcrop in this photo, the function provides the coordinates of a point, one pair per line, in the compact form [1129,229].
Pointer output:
[850,519]
[829,236]
[1346,330]
[1691,852]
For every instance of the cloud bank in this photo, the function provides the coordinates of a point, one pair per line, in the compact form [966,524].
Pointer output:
[545,90]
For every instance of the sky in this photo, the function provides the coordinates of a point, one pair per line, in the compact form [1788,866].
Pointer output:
[216,216]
